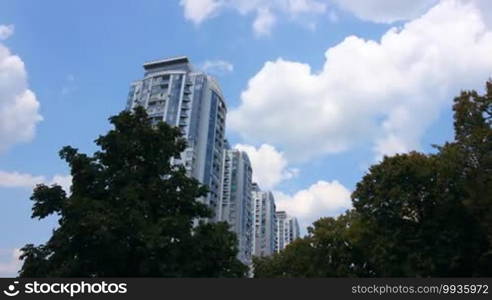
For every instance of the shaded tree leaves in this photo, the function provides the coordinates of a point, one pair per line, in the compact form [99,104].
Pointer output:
[131,212]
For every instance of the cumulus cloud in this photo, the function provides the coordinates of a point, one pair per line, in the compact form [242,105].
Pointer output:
[16,180]
[264,22]
[389,11]
[199,10]
[10,263]
[19,108]
[322,199]
[217,67]
[385,11]
[6,31]
[65,181]
[266,11]
[24,180]
[269,165]
[485,7]
[385,92]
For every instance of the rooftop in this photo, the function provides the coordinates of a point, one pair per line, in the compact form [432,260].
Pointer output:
[166,62]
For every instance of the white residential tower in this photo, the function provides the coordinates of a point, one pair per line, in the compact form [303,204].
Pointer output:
[173,92]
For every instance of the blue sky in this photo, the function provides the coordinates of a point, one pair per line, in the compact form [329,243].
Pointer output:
[317,90]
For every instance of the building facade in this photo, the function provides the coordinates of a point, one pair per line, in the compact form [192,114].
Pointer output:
[173,92]
[235,202]
[287,230]
[264,222]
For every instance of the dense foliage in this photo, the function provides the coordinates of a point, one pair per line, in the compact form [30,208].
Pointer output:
[131,212]
[414,215]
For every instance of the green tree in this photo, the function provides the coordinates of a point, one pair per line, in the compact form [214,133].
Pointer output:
[416,222]
[431,215]
[331,249]
[473,145]
[414,214]
[130,212]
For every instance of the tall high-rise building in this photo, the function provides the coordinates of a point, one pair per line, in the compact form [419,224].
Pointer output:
[235,204]
[173,92]
[287,230]
[264,222]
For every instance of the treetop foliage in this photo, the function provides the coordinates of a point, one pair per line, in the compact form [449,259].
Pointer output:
[131,212]
[414,214]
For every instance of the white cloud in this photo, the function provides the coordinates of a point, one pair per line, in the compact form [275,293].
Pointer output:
[19,108]
[322,199]
[266,11]
[19,180]
[269,166]
[199,10]
[389,11]
[485,8]
[305,6]
[6,31]
[264,22]
[23,180]
[218,67]
[65,181]
[386,92]
[386,11]
[10,263]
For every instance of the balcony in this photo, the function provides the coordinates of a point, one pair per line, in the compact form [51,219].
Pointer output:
[158,97]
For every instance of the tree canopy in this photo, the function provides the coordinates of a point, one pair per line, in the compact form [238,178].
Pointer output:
[130,212]
[414,215]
